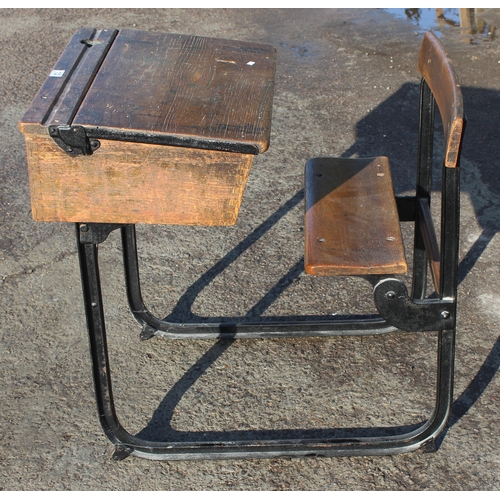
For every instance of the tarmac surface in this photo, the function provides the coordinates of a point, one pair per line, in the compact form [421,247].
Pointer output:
[347,84]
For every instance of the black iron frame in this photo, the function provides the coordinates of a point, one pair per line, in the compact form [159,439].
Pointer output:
[397,310]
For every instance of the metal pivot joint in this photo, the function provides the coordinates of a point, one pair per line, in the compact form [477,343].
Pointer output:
[73,139]
[408,314]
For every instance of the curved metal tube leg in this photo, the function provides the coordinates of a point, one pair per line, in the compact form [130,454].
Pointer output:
[94,312]
[126,444]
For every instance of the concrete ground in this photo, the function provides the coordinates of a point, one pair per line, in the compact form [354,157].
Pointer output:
[347,84]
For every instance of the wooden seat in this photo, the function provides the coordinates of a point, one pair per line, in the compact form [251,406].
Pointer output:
[351,223]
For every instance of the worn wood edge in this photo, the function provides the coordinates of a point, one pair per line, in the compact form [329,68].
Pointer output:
[454,126]
[326,270]
[36,113]
[154,139]
[82,75]
[454,143]
[227,217]
[318,270]
[264,146]
[29,128]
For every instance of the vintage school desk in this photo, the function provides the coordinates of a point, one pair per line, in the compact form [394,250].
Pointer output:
[136,127]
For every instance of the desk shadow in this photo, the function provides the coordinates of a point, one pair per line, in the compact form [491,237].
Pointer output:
[391,130]
[159,427]
[475,389]
[182,311]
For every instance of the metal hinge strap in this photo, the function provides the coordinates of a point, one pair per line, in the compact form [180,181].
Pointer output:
[73,139]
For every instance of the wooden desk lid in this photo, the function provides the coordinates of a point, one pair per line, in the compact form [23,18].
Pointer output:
[163,89]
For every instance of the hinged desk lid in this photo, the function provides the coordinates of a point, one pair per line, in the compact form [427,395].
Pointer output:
[167,89]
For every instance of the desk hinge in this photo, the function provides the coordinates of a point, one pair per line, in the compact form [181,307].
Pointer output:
[73,139]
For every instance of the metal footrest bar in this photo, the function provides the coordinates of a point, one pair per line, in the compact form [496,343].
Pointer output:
[153,326]
[407,314]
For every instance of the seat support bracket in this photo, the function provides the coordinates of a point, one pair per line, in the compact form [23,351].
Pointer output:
[408,314]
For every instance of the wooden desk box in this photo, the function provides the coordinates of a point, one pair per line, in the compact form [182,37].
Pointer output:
[132,126]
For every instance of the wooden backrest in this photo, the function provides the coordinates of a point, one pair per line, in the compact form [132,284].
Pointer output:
[435,66]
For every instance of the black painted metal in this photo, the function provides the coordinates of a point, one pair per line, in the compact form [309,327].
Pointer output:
[431,244]
[126,444]
[397,310]
[78,140]
[450,231]
[171,140]
[424,184]
[408,314]
[94,313]
[73,139]
[96,233]
[153,326]
[406,207]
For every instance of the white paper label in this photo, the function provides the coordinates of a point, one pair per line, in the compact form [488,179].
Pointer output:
[57,73]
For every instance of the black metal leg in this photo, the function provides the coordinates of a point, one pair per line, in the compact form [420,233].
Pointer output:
[92,299]
[445,378]
[151,325]
[296,327]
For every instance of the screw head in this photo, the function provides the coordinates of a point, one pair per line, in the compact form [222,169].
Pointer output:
[445,314]
[84,228]
[390,295]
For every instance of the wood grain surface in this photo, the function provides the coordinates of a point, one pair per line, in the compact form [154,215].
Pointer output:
[197,88]
[51,89]
[435,66]
[351,222]
[210,94]
[81,77]
[135,183]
